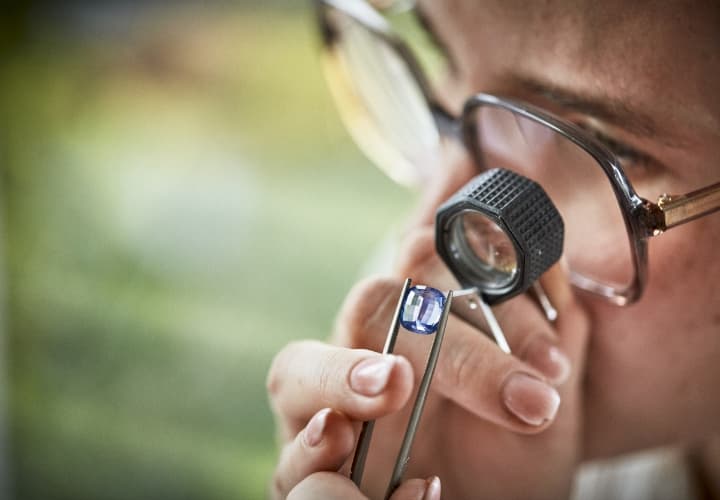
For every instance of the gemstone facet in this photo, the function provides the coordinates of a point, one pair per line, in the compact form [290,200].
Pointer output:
[422,309]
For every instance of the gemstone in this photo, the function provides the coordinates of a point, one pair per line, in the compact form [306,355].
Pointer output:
[422,309]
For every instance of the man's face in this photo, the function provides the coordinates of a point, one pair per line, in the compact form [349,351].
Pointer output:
[644,75]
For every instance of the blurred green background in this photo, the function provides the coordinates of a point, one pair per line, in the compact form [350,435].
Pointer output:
[179,200]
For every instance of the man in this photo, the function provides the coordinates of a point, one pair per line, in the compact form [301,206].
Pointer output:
[602,380]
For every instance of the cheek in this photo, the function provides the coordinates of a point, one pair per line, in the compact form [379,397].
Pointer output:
[653,367]
[684,271]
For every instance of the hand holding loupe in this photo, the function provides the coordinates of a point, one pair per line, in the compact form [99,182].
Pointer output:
[498,235]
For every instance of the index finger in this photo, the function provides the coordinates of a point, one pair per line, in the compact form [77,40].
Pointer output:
[309,375]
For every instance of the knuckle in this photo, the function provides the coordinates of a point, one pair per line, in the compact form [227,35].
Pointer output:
[517,309]
[276,486]
[273,380]
[463,364]
[280,483]
[359,318]
[418,248]
[420,260]
[327,377]
[321,484]
[277,373]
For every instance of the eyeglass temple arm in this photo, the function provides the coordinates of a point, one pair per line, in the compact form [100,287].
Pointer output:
[673,210]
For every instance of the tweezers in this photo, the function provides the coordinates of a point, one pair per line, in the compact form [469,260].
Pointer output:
[358,465]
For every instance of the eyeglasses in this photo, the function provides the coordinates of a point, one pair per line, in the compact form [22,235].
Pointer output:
[390,110]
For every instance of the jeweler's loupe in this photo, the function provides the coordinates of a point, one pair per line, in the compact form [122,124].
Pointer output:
[499,234]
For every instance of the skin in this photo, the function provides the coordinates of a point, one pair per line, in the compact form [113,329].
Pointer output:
[627,378]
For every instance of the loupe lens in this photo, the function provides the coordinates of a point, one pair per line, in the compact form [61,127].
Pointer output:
[482,249]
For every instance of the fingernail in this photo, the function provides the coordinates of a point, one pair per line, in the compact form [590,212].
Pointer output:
[371,376]
[315,428]
[433,489]
[550,360]
[530,399]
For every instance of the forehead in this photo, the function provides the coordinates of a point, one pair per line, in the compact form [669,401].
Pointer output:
[655,54]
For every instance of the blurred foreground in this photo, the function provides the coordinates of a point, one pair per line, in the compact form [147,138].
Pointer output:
[178,201]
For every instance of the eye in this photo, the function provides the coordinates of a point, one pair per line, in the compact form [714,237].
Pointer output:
[627,155]
[633,161]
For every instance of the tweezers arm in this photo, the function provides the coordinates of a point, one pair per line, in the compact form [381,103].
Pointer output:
[404,453]
[361,451]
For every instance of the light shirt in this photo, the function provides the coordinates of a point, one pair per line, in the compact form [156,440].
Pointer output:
[661,474]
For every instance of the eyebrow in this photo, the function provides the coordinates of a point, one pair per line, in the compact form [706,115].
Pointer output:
[606,109]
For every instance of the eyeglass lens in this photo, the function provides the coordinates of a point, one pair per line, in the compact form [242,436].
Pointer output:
[384,107]
[574,181]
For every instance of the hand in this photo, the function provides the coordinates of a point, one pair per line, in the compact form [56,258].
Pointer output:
[324,445]
[494,425]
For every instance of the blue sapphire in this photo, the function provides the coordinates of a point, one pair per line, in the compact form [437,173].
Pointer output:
[422,309]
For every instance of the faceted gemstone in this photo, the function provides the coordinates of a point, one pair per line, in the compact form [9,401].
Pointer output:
[422,309]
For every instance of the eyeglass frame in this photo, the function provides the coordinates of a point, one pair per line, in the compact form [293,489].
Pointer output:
[643,218]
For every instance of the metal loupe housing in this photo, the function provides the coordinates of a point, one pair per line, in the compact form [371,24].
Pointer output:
[499,233]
